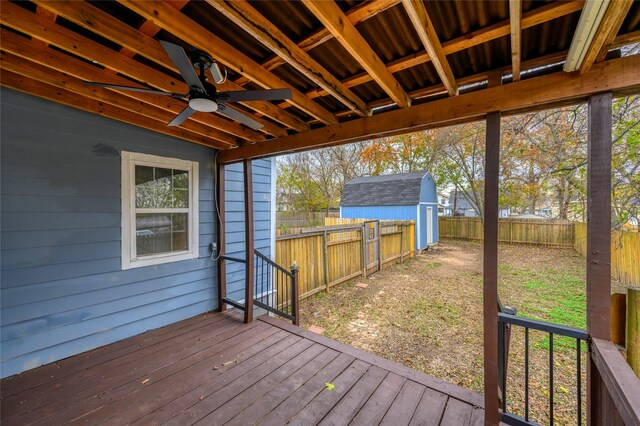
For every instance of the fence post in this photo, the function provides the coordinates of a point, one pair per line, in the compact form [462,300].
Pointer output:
[402,243]
[295,293]
[364,253]
[326,259]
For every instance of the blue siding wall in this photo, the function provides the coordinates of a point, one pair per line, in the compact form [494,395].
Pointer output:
[234,232]
[62,288]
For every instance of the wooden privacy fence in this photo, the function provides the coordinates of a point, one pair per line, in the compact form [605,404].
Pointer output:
[625,253]
[331,255]
[552,233]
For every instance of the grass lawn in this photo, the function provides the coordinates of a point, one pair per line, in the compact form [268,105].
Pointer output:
[427,315]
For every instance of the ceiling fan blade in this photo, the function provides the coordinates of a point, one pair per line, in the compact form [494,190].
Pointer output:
[182,62]
[135,89]
[180,118]
[255,95]
[238,116]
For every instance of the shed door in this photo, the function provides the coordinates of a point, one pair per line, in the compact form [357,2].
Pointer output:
[429,225]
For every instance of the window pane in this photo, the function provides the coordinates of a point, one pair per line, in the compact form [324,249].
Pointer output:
[145,191]
[180,231]
[154,187]
[162,179]
[161,233]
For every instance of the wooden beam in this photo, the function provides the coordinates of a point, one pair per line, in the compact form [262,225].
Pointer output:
[151,29]
[427,33]
[515,18]
[357,14]
[41,73]
[58,61]
[193,33]
[346,33]
[625,39]
[101,23]
[222,264]
[260,28]
[490,269]
[249,240]
[501,29]
[42,90]
[606,33]
[617,75]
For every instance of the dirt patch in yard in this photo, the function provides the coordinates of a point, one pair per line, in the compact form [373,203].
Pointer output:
[427,315]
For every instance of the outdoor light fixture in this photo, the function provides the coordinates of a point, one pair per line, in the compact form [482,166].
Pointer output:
[216,73]
[590,18]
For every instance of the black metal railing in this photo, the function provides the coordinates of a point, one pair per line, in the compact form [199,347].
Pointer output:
[276,289]
[507,320]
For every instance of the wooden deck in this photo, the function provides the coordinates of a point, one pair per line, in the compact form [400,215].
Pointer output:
[212,369]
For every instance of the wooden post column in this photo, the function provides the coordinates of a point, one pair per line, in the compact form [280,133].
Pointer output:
[248,235]
[222,266]
[490,269]
[598,239]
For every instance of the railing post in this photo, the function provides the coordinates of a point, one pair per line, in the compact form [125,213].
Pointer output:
[295,293]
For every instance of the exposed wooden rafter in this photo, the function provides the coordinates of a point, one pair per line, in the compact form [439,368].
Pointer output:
[93,19]
[617,75]
[346,33]
[609,27]
[193,33]
[259,27]
[58,79]
[515,18]
[357,14]
[427,33]
[61,62]
[475,38]
[55,94]
[151,29]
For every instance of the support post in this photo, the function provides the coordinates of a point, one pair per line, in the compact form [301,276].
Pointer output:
[222,266]
[295,293]
[598,240]
[248,235]
[490,269]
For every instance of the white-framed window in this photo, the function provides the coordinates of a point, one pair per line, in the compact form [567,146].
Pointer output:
[159,210]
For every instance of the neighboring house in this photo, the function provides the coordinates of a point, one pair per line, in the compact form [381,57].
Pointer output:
[106,230]
[463,207]
[405,196]
[444,207]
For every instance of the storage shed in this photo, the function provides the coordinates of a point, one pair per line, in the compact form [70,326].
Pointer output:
[404,196]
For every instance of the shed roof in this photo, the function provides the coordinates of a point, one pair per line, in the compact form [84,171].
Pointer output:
[384,190]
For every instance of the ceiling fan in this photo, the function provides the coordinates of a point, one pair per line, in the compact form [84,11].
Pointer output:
[203,95]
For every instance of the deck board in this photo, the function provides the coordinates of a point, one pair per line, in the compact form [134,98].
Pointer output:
[213,369]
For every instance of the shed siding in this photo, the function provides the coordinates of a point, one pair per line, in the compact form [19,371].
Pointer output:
[383,213]
[62,288]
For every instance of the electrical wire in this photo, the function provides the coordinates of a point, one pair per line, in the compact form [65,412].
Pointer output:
[217,186]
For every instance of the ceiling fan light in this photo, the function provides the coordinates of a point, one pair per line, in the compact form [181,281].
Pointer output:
[203,104]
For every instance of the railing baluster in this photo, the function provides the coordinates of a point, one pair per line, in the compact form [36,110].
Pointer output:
[526,373]
[504,367]
[578,361]
[550,379]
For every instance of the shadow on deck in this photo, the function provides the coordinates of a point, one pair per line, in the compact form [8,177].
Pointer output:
[213,369]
